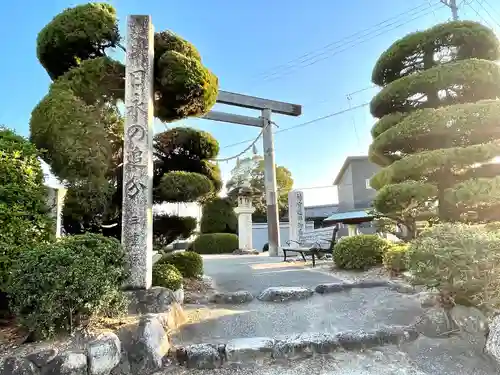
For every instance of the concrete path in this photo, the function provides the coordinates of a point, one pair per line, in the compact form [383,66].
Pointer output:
[356,309]
[255,273]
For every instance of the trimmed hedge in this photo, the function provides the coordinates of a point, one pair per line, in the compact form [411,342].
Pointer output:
[426,163]
[168,228]
[480,80]
[395,257]
[76,34]
[462,261]
[405,56]
[167,276]
[189,263]
[359,252]
[181,186]
[215,243]
[60,286]
[218,217]
[423,127]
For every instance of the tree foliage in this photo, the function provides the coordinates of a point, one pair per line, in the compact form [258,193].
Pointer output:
[253,169]
[438,128]
[189,150]
[24,219]
[77,34]
[79,123]
[61,286]
[218,216]
[168,228]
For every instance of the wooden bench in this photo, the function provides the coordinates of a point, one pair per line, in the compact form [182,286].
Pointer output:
[315,249]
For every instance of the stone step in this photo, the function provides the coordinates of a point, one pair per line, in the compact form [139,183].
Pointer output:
[280,311]
[296,293]
[251,351]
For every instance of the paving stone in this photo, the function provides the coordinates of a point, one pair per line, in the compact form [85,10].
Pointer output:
[238,297]
[250,350]
[282,294]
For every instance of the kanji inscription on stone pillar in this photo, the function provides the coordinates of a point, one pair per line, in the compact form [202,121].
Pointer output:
[137,229]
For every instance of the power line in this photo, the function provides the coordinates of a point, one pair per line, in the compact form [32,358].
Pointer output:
[304,123]
[359,40]
[479,15]
[492,9]
[487,12]
[329,45]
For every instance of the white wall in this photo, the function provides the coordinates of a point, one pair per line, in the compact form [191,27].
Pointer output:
[259,233]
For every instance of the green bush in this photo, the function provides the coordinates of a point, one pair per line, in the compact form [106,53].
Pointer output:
[60,286]
[24,219]
[167,276]
[215,243]
[492,226]
[168,228]
[181,186]
[218,217]
[395,257]
[463,261]
[359,252]
[189,263]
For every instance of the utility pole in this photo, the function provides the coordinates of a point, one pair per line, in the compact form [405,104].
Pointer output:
[452,4]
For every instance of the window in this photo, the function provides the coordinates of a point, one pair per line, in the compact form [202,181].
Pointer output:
[368,183]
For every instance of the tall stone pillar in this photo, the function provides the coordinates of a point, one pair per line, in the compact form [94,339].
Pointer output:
[296,216]
[137,214]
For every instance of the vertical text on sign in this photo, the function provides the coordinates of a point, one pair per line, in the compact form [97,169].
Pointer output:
[137,153]
[300,214]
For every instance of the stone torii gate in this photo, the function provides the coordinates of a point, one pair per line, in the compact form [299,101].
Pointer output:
[267,107]
[137,209]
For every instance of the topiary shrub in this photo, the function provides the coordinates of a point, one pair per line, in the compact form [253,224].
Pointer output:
[180,186]
[167,276]
[189,263]
[395,258]
[462,261]
[215,243]
[77,34]
[359,252]
[24,219]
[168,228]
[60,286]
[218,217]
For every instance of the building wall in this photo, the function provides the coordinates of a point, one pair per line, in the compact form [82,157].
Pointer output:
[321,211]
[345,190]
[363,194]
[259,234]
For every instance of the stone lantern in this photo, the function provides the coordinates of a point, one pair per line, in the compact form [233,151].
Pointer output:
[244,212]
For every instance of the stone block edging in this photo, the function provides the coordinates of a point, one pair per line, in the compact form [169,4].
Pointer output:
[251,351]
[285,294]
[364,284]
[138,348]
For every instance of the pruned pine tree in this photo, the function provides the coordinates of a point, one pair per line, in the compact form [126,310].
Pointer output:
[438,128]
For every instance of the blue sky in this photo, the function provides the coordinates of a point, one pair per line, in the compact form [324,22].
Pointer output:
[310,53]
